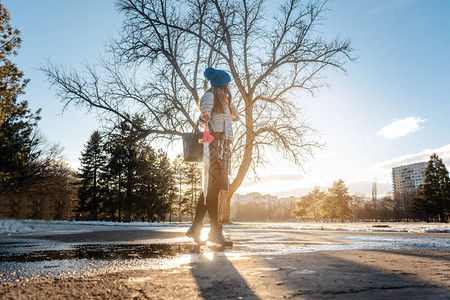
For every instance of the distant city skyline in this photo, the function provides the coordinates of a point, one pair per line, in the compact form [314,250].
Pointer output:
[390,109]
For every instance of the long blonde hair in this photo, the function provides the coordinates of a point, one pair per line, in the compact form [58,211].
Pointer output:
[222,98]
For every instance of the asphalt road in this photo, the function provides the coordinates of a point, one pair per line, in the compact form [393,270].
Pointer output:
[160,263]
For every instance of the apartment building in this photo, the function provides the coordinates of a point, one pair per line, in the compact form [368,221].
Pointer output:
[406,179]
[257,197]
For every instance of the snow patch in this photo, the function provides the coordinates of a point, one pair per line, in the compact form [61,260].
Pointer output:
[10,227]
[14,227]
[416,227]
[18,227]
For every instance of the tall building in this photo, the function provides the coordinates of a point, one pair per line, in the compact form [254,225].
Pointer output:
[407,178]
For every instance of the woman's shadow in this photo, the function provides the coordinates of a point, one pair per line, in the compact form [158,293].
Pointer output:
[216,276]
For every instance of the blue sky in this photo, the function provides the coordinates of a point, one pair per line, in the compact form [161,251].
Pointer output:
[392,107]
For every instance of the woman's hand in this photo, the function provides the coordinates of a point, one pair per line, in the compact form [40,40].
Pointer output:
[205,116]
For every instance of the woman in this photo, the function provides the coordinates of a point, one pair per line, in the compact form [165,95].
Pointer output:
[218,110]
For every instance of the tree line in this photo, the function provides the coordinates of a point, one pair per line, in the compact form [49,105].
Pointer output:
[334,205]
[122,178]
[430,202]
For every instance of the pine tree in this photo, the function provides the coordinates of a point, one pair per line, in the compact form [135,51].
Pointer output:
[146,193]
[179,169]
[339,200]
[143,177]
[193,189]
[155,185]
[310,204]
[129,140]
[188,180]
[18,139]
[92,162]
[421,206]
[436,187]
[301,208]
[167,185]
[12,83]
[113,178]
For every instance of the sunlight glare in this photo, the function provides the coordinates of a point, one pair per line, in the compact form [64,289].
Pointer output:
[209,255]
[204,234]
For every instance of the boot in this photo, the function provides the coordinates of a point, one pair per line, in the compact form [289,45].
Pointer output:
[216,236]
[194,232]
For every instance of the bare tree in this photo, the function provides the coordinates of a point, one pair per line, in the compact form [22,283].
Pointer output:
[271,52]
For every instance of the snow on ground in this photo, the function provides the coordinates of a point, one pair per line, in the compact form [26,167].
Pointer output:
[412,227]
[18,227]
[10,227]
[13,226]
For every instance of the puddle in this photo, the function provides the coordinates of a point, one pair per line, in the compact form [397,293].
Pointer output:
[285,242]
[102,252]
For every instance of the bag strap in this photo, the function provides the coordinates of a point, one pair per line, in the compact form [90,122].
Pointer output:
[197,130]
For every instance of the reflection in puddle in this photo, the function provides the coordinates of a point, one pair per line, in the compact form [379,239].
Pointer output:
[102,252]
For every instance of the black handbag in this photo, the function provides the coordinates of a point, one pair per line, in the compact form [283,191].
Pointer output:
[193,146]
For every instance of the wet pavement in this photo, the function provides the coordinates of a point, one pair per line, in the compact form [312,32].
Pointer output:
[97,250]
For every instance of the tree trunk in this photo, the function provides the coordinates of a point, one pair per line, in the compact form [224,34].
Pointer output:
[95,197]
[119,199]
[127,208]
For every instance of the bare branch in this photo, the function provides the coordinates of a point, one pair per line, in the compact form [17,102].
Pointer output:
[166,44]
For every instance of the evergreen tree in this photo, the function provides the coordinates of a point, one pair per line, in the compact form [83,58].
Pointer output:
[129,140]
[316,197]
[436,187]
[146,184]
[421,206]
[128,167]
[113,178]
[137,174]
[12,82]
[301,208]
[339,200]
[18,139]
[310,204]
[166,189]
[193,188]
[92,162]
[179,169]
[155,185]
[188,181]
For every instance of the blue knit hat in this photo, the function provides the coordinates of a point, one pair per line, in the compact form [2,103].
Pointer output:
[217,77]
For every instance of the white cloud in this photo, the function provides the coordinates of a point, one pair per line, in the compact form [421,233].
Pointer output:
[443,152]
[402,127]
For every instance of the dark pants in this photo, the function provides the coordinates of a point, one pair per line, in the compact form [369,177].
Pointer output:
[218,180]
[212,204]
